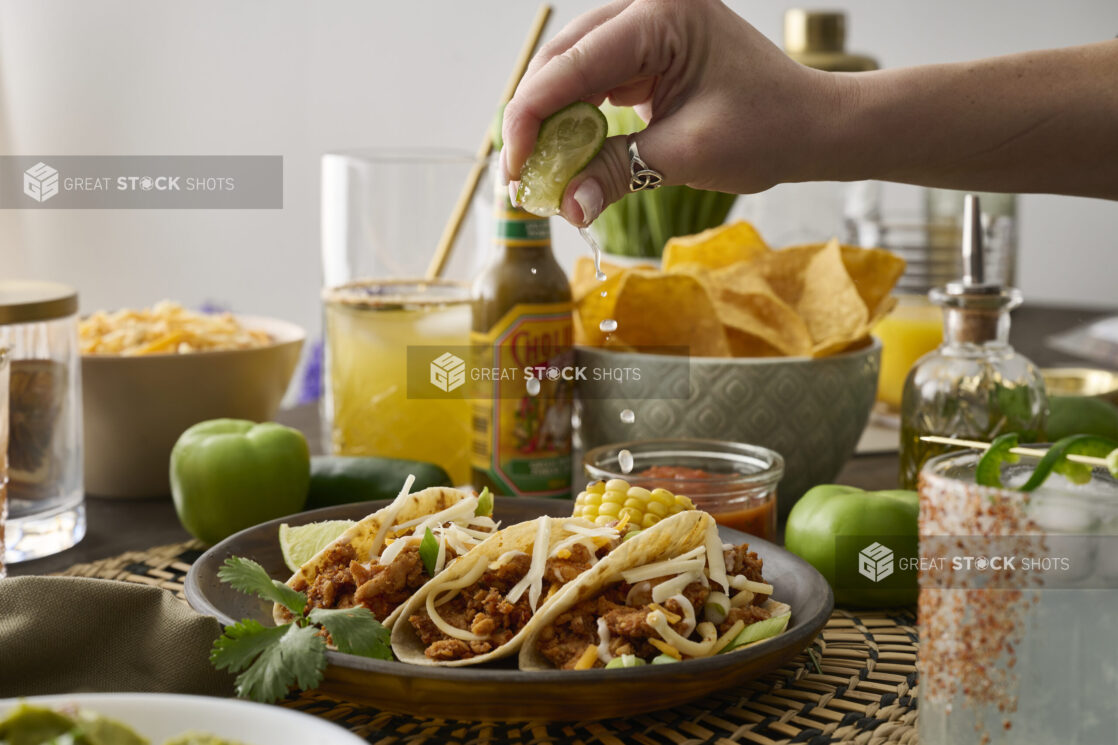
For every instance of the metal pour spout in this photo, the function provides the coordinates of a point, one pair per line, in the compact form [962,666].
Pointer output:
[974,251]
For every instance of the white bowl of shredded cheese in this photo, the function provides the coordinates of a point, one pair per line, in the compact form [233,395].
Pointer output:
[144,383]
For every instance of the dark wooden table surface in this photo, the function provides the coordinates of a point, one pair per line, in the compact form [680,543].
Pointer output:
[115,526]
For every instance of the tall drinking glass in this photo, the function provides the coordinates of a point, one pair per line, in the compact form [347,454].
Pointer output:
[1017,600]
[383,213]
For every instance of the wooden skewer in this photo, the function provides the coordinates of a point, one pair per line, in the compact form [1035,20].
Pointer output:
[1033,452]
[458,215]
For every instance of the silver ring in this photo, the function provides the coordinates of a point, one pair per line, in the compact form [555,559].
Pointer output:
[641,176]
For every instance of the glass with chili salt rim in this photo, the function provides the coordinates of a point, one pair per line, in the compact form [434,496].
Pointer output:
[733,481]
[1018,592]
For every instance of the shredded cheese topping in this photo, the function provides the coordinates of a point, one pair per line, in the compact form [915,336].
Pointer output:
[688,613]
[676,585]
[450,630]
[688,562]
[460,511]
[390,516]
[728,637]
[741,582]
[666,648]
[745,597]
[603,643]
[672,617]
[533,580]
[586,661]
[393,549]
[716,561]
[708,631]
[638,587]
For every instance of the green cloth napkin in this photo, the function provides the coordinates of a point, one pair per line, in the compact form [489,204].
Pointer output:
[74,634]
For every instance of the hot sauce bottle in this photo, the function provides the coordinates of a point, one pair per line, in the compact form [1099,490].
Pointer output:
[522,338]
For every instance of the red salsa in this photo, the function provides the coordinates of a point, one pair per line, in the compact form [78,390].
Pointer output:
[722,500]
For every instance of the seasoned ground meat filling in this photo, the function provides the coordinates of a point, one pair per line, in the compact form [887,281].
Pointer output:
[624,608]
[344,582]
[483,609]
[740,560]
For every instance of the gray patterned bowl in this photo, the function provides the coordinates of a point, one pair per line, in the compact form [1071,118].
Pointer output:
[811,411]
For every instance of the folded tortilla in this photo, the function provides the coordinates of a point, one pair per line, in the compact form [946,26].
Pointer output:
[689,531]
[409,647]
[367,539]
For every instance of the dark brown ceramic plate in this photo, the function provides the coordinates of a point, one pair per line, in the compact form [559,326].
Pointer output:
[500,691]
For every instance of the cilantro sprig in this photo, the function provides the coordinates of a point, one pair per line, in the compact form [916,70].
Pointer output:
[271,660]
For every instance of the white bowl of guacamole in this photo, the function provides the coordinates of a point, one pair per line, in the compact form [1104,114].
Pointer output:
[160,719]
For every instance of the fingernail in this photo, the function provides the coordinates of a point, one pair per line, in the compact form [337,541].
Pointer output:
[588,195]
[513,187]
[503,168]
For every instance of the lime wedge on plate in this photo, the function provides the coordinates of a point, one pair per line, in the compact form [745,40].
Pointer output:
[568,140]
[300,543]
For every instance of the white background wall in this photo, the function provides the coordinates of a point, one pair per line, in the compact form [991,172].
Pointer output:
[300,78]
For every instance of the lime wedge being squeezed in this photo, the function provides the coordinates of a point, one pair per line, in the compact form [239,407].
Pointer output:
[568,140]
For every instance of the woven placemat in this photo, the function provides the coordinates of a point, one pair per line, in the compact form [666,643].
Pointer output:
[856,684]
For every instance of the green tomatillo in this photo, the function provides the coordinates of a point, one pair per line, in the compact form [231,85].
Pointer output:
[230,474]
[863,543]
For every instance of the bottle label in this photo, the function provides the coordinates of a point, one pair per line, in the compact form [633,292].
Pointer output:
[522,410]
[518,228]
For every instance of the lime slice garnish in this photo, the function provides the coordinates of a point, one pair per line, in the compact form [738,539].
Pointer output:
[568,140]
[300,543]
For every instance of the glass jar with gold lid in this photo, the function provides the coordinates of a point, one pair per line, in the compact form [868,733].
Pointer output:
[39,326]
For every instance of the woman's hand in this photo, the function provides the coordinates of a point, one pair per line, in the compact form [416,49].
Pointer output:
[727,110]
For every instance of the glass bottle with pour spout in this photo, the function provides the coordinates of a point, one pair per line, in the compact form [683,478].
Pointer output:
[523,334]
[975,386]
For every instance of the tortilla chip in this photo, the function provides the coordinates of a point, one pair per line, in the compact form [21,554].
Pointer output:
[716,247]
[820,290]
[874,272]
[745,344]
[668,310]
[750,309]
[782,270]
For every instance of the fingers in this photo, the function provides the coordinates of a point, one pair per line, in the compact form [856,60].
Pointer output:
[606,178]
[572,32]
[609,56]
[633,93]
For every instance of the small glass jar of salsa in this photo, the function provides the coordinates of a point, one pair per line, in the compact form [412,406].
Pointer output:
[734,482]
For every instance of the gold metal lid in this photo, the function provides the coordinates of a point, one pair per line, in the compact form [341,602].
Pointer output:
[29,301]
[814,30]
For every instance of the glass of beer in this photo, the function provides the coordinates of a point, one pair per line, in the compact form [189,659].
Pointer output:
[383,213]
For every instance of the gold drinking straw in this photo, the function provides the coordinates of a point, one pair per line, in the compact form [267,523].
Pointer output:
[454,224]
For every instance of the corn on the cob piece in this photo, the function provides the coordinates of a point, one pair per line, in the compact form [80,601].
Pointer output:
[605,502]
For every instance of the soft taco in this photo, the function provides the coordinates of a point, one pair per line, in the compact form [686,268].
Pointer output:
[387,556]
[481,607]
[680,593]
